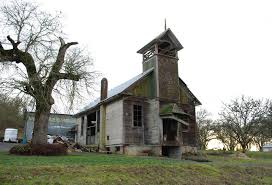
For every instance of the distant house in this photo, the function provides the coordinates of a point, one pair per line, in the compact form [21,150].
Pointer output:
[153,112]
[267,148]
[59,124]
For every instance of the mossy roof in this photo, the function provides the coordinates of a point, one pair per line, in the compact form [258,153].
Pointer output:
[171,108]
[115,91]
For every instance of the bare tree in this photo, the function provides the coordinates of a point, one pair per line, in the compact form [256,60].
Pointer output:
[225,135]
[243,117]
[265,134]
[205,133]
[38,63]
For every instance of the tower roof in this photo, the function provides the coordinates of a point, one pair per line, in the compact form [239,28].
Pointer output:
[166,35]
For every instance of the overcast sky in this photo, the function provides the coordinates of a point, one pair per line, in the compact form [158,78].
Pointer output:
[227,44]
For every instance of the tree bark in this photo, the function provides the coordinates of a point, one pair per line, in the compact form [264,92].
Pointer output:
[244,148]
[40,130]
[260,146]
[35,88]
[231,148]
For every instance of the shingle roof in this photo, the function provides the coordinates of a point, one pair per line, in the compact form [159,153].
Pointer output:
[116,91]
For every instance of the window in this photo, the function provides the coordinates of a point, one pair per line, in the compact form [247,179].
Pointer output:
[82,124]
[137,115]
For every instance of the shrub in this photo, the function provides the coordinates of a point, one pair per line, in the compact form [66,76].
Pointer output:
[198,157]
[49,149]
[219,152]
[45,149]
[21,150]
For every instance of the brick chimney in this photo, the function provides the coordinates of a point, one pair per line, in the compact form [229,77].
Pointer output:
[104,89]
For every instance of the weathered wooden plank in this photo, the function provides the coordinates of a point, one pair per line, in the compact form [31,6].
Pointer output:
[114,123]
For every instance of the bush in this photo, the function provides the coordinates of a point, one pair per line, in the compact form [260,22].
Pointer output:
[46,149]
[49,149]
[198,157]
[21,150]
[219,152]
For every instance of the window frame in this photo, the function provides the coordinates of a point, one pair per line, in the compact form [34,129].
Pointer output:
[141,120]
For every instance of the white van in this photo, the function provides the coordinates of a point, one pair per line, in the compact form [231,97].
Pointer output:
[11,135]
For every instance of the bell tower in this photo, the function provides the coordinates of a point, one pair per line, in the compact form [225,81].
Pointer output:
[161,54]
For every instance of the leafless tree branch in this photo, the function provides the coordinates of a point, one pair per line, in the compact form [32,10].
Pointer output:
[43,66]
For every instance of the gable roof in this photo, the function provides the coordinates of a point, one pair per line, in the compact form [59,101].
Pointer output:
[171,35]
[115,91]
[183,84]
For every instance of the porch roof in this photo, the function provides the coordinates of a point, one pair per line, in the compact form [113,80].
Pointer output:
[176,119]
[172,108]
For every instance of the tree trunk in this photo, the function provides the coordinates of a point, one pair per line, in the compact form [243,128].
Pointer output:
[231,147]
[244,148]
[260,146]
[40,130]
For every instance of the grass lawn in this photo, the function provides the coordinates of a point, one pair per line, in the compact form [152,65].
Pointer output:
[92,168]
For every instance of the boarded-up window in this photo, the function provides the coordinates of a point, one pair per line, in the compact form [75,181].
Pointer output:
[82,124]
[137,115]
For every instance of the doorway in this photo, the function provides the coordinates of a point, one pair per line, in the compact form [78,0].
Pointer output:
[91,128]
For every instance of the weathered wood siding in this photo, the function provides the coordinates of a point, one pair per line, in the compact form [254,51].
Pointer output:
[153,125]
[145,87]
[81,139]
[114,123]
[149,63]
[190,137]
[132,134]
[184,97]
[168,78]
[150,132]
[187,104]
